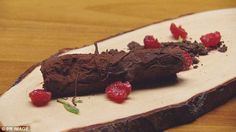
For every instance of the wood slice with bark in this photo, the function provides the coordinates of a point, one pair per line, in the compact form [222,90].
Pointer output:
[155,108]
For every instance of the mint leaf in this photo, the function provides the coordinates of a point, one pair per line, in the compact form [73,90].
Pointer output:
[69,107]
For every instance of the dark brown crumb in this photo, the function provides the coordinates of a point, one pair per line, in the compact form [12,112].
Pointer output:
[195,66]
[111,51]
[193,48]
[216,47]
[195,60]
[204,52]
[222,49]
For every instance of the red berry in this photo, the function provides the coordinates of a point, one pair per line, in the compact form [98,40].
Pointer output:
[128,87]
[178,32]
[211,39]
[118,91]
[150,42]
[40,97]
[187,60]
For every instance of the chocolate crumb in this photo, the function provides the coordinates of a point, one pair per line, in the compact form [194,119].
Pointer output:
[215,47]
[195,60]
[193,48]
[222,49]
[195,66]
[203,52]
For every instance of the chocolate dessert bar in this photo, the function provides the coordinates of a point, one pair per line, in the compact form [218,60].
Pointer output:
[80,74]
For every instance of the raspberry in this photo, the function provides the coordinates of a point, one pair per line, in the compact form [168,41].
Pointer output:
[187,60]
[150,42]
[40,97]
[178,32]
[118,91]
[211,39]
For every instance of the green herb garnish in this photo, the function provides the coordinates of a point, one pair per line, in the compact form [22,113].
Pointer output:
[69,107]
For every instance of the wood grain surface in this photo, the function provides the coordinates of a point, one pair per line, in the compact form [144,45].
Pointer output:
[32,30]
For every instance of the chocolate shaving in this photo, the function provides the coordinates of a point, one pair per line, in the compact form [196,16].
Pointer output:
[76,86]
[96,48]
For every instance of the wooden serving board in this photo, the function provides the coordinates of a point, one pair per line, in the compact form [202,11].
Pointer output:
[152,109]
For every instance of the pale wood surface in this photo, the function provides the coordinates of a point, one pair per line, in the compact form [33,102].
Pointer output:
[31,30]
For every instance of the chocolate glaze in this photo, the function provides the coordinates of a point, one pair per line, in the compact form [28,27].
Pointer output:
[91,73]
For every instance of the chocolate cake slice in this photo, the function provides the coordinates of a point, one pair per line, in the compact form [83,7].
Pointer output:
[80,74]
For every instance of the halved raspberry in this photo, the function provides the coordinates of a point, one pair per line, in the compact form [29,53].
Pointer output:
[188,61]
[118,91]
[150,42]
[211,39]
[178,32]
[40,97]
